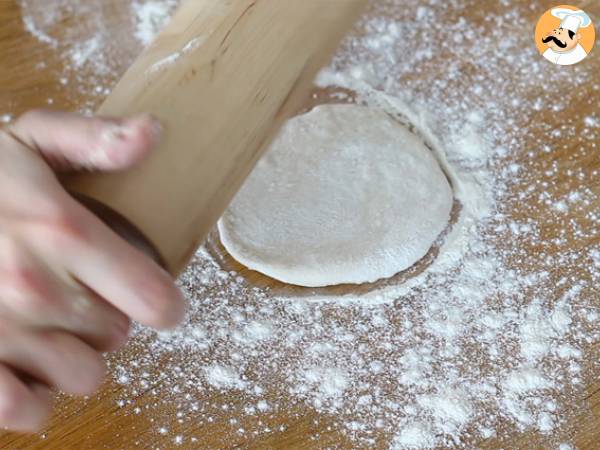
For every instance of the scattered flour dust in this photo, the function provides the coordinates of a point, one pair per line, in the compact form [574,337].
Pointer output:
[94,51]
[150,16]
[494,337]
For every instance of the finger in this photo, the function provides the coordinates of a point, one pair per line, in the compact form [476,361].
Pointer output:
[54,358]
[94,320]
[84,247]
[121,274]
[31,295]
[81,313]
[22,408]
[41,391]
[69,140]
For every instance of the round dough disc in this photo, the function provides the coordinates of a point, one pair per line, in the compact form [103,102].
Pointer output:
[344,195]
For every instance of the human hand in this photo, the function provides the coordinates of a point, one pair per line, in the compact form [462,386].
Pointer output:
[68,284]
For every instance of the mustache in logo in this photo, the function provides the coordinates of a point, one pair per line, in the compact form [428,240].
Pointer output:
[556,41]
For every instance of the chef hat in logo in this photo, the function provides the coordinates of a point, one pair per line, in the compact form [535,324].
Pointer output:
[572,20]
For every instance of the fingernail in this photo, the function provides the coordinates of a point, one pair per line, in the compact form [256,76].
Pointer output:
[111,135]
[99,158]
[105,155]
[150,124]
[109,151]
[114,133]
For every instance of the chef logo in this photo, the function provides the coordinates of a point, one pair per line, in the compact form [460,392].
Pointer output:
[565,35]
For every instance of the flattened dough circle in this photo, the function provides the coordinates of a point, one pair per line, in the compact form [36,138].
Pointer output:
[344,195]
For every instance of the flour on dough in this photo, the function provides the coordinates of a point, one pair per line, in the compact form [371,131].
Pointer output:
[344,195]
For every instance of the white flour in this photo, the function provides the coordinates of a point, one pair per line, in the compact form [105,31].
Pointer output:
[494,337]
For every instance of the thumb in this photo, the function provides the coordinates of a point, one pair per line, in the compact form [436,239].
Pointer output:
[73,141]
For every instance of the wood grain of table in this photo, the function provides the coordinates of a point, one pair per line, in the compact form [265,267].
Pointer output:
[28,78]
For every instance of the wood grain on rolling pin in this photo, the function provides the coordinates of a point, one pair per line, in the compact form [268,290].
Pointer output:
[223,76]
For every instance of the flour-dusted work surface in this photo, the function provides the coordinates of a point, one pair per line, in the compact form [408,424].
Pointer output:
[491,341]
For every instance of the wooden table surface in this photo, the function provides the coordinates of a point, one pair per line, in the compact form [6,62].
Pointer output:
[99,423]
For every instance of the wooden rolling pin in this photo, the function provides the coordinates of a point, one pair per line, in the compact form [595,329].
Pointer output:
[222,77]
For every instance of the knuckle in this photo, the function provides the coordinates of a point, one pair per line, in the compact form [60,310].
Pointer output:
[25,288]
[64,227]
[17,273]
[55,221]
[28,280]
[23,285]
